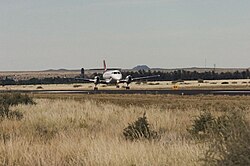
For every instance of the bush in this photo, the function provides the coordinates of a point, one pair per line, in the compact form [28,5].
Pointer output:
[77,86]
[228,135]
[15,99]
[231,141]
[140,130]
[213,83]
[39,87]
[200,81]
[174,82]
[201,124]
[7,100]
[151,83]
[4,111]
[225,83]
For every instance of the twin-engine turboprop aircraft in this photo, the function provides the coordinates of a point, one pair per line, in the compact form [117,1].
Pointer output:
[113,77]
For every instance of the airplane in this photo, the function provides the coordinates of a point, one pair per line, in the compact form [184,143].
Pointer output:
[112,77]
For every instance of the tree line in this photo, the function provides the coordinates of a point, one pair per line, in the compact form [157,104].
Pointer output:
[191,75]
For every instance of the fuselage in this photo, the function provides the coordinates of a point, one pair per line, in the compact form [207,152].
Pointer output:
[112,76]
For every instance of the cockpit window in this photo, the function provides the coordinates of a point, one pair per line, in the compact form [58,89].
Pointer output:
[116,73]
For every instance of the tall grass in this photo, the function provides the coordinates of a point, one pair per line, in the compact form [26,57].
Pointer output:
[67,132]
[90,132]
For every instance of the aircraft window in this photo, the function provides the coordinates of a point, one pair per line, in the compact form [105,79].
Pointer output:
[116,73]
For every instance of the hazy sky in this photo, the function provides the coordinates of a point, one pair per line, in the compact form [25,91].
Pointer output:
[44,34]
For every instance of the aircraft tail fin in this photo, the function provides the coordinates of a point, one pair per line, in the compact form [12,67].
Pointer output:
[104,65]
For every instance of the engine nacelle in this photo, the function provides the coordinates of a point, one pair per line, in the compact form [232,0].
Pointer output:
[128,79]
[97,80]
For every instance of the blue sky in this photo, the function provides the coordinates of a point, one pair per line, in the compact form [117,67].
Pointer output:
[37,35]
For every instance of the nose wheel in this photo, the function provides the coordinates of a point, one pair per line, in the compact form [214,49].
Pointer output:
[117,86]
[95,88]
[127,87]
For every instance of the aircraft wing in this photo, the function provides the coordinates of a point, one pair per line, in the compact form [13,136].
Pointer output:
[103,82]
[131,79]
[92,80]
[146,77]
[86,79]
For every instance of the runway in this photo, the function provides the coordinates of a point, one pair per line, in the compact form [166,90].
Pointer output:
[173,92]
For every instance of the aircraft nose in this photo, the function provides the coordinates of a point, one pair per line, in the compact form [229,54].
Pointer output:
[118,77]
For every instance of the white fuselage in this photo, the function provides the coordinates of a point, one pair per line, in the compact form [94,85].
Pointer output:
[112,76]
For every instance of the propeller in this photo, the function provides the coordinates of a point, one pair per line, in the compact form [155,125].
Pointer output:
[128,79]
[97,80]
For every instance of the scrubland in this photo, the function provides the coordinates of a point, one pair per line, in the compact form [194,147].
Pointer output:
[88,129]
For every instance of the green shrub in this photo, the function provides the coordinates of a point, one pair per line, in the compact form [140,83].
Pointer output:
[231,141]
[4,111]
[12,99]
[201,124]
[140,129]
[228,137]
[7,100]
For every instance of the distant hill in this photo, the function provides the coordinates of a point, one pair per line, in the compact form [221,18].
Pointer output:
[141,67]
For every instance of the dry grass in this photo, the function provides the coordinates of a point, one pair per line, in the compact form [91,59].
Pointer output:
[87,130]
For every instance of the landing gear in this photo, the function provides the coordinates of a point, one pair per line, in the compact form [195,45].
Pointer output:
[127,87]
[117,86]
[95,88]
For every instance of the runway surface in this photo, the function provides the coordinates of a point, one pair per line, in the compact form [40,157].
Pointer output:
[175,92]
